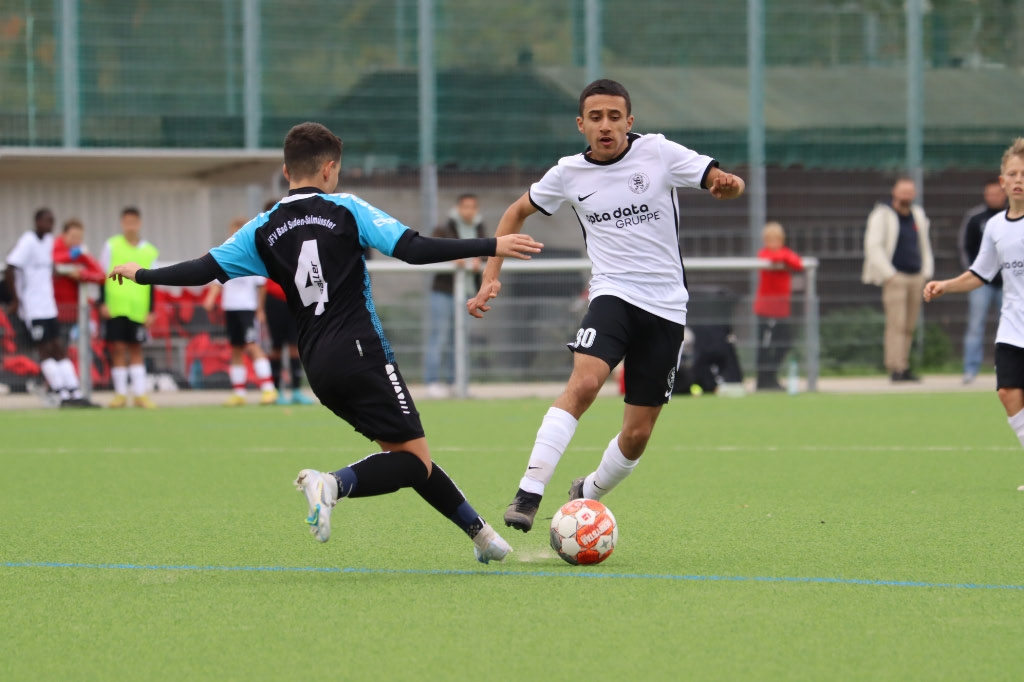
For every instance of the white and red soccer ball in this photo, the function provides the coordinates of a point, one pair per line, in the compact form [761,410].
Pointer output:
[584,532]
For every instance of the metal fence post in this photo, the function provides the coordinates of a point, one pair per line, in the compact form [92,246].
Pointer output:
[84,341]
[811,325]
[460,354]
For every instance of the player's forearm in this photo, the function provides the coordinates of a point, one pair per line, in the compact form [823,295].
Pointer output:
[191,273]
[418,250]
[968,281]
[511,222]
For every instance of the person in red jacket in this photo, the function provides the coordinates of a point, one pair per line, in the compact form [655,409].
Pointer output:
[772,305]
[72,265]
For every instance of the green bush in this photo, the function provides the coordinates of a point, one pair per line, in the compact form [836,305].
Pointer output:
[852,338]
[852,341]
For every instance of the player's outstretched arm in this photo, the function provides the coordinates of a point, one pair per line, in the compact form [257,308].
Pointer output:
[418,250]
[724,185]
[511,223]
[191,273]
[968,281]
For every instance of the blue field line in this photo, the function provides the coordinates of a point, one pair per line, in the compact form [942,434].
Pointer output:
[581,573]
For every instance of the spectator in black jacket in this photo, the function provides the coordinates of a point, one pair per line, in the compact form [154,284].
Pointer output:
[464,222]
[978,301]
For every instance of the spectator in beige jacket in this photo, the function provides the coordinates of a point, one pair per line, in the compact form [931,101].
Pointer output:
[898,258]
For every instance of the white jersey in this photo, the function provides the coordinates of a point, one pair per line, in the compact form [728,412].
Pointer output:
[1002,250]
[629,213]
[240,293]
[33,281]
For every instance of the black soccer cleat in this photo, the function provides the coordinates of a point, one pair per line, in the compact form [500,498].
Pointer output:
[576,489]
[522,510]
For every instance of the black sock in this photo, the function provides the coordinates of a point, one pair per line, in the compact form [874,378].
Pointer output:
[380,474]
[295,369]
[444,496]
[275,372]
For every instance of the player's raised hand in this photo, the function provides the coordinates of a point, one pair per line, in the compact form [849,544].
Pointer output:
[934,289]
[517,246]
[727,186]
[123,272]
[477,305]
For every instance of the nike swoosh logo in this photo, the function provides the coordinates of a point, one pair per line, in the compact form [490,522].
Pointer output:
[579,198]
[531,468]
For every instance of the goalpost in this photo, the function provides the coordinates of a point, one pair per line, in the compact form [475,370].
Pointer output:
[809,297]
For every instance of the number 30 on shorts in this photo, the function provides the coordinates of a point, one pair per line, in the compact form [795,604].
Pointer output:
[585,338]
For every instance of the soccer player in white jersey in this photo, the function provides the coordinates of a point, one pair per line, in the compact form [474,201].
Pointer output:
[1002,251]
[29,279]
[623,191]
[242,300]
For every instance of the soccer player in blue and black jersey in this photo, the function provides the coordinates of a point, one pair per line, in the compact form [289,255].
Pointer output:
[313,243]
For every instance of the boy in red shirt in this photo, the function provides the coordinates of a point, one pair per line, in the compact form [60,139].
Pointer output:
[72,265]
[772,305]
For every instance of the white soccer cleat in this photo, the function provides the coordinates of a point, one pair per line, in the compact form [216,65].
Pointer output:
[321,492]
[489,546]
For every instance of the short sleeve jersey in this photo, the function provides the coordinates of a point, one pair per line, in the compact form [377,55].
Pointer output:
[33,282]
[629,212]
[314,246]
[241,293]
[1002,251]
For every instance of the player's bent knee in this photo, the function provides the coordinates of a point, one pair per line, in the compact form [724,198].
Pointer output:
[417,447]
[1012,399]
[636,436]
[585,386]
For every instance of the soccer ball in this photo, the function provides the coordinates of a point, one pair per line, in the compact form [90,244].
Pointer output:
[584,532]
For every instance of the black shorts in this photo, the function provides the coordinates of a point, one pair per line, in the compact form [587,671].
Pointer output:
[376,402]
[126,331]
[241,326]
[1009,366]
[41,331]
[280,323]
[613,330]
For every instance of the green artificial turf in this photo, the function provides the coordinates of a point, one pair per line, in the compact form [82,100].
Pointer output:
[812,537]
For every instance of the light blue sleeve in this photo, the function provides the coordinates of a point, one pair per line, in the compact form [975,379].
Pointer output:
[238,256]
[376,228]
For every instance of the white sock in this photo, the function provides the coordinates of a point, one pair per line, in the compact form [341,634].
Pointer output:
[262,367]
[119,377]
[51,372]
[70,377]
[138,375]
[238,376]
[612,470]
[553,438]
[1017,424]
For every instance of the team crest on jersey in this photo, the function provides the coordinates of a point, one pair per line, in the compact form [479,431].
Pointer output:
[639,182]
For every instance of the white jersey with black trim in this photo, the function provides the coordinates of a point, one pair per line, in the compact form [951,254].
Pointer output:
[241,293]
[1002,250]
[629,213]
[33,280]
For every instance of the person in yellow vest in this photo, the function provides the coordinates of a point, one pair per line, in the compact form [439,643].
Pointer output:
[128,311]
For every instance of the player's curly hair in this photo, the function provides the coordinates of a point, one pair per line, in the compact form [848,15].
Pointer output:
[1015,149]
[606,86]
[307,146]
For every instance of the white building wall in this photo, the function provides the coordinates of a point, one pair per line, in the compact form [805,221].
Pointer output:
[177,216]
